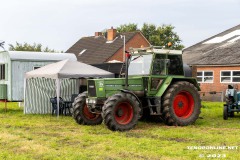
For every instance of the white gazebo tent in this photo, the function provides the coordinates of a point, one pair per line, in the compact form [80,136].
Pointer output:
[66,69]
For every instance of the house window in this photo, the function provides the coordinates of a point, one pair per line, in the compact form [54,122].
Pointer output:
[205,76]
[230,76]
[2,72]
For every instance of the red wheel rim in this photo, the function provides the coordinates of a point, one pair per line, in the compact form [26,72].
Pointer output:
[183,104]
[123,113]
[88,114]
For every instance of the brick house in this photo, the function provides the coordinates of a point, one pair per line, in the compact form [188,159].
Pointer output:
[100,48]
[216,61]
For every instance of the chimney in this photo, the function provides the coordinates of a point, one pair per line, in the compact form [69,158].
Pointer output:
[111,34]
[98,34]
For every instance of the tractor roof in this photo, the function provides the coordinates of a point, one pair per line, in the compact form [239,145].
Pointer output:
[153,49]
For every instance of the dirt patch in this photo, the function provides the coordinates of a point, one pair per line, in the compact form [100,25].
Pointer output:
[135,156]
[178,139]
[134,135]
[8,126]
[49,134]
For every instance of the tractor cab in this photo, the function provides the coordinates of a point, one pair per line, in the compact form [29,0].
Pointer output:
[154,66]
[153,61]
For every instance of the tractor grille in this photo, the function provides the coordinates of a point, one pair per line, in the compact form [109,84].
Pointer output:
[91,88]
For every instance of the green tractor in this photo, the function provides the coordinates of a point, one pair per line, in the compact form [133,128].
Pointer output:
[154,84]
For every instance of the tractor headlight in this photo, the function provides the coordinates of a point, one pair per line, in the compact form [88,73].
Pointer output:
[90,101]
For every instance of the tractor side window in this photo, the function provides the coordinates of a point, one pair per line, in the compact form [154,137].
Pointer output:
[159,65]
[175,66]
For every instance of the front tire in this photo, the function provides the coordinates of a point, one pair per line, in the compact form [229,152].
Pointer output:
[121,112]
[225,112]
[181,104]
[81,114]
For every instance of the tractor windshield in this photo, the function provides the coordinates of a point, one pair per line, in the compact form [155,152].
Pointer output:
[140,65]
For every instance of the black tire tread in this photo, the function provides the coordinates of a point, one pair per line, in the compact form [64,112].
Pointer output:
[78,104]
[225,112]
[108,111]
[168,115]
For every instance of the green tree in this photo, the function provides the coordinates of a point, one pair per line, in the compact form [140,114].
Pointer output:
[164,35]
[127,28]
[156,35]
[29,47]
[148,30]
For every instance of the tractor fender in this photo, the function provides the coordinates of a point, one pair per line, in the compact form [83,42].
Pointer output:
[170,80]
[190,80]
[127,91]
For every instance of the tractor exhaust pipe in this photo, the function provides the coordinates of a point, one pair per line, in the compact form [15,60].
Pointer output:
[127,57]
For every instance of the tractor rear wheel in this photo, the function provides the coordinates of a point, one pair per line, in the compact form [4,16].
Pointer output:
[225,112]
[181,104]
[81,114]
[121,112]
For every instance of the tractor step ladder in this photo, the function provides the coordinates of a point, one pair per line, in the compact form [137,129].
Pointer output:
[157,110]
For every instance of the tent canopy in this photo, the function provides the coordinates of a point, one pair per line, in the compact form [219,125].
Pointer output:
[65,69]
[68,69]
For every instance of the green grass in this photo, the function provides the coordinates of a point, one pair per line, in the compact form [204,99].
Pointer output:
[46,137]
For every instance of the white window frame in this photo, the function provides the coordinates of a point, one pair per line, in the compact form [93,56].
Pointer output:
[231,76]
[203,76]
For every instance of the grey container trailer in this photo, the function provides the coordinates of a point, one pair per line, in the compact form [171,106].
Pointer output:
[14,65]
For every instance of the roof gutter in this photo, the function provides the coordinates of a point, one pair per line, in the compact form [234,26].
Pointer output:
[214,65]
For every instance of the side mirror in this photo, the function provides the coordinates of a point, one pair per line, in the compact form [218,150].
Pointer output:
[127,54]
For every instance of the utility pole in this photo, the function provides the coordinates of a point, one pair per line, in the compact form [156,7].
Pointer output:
[124,47]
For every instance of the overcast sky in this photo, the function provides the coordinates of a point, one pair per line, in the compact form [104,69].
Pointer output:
[58,24]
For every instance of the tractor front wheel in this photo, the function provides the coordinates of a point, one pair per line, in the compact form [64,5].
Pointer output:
[81,113]
[121,112]
[181,104]
[225,112]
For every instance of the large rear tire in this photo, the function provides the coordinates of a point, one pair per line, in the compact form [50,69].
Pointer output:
[121,112]
[181,104]
[81,114]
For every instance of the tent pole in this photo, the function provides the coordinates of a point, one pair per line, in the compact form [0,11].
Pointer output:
[24,93]
[58,94]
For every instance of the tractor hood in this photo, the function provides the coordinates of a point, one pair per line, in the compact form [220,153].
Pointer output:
[109,86]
